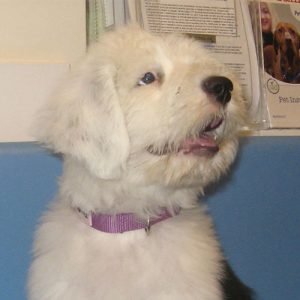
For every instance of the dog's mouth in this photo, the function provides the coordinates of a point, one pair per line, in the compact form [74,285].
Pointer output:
[205,143]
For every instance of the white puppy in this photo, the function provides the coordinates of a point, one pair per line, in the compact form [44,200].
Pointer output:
[144,124]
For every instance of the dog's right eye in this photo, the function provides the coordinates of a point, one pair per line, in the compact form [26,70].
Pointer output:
[148,78]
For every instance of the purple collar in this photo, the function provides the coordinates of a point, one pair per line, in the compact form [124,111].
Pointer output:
[123,222]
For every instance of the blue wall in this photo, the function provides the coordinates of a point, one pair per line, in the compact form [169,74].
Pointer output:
[257,214]
[256,210]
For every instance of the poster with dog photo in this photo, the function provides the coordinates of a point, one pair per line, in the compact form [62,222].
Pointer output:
[280,44]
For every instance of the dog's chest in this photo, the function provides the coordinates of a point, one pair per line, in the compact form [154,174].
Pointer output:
[179,259]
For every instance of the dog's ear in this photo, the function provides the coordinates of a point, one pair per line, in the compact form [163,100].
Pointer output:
[85,120]
[276,44]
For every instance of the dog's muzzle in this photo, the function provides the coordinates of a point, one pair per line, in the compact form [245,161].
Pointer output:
[202,144]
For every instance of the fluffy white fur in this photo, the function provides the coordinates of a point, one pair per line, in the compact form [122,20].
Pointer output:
[103,123]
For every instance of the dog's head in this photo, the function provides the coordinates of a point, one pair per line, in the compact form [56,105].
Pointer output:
[149,109]
[286,38]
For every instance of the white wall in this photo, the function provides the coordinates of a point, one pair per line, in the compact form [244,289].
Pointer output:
[40,40]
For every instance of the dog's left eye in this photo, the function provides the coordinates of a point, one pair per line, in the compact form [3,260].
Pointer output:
[148,78]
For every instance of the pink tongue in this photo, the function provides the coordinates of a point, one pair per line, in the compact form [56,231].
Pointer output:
[201,146]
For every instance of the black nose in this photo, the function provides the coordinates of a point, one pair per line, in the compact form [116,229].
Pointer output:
[218,86]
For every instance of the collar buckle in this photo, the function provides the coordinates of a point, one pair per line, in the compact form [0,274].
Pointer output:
[148,227]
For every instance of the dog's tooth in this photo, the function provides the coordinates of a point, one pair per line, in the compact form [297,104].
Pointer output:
[215,136]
